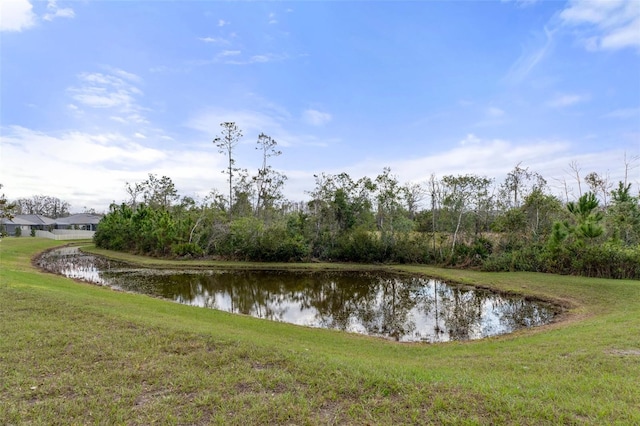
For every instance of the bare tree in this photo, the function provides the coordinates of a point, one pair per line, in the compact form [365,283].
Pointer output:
[566,190]
[134,192]
[44,205]
[575,168]
[518,184]
[629,164]
[415,193]
[268,181]
[230,137]
[435,191]
[599,185]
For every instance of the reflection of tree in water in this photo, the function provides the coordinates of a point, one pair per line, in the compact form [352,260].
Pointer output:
[360,302]
[403,308]
[388,313]
[72,263]
[462,312]
[254,294]
[516,314]
[336,298]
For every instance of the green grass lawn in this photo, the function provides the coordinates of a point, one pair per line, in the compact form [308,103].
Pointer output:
[74,353]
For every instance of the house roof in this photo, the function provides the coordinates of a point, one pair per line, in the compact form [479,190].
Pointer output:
[17,220]
[37,219]
[31,219]
[79,219]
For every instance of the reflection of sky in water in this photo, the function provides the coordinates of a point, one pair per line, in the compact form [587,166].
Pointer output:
[399,308]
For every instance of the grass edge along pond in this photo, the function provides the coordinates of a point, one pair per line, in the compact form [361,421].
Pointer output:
[77,353]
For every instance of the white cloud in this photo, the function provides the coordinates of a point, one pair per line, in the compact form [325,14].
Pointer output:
[492,116]
[213,40]
[530,58]
[470,139]
[494,112]
[57,12]
[494,158]
[222,22]
[266,118]
[605,25]
[114,91]
[230,53]
[272,18]
[251,122]
[262,58]
[124,74]
[624,113]
[522,3]
[567,100]
[16,15]
[90,169]
[235,57]
[315,117]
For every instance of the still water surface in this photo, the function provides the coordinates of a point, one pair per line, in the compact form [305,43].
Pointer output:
[407,309]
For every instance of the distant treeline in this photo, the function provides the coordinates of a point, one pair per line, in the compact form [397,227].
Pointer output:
[460,221]
[467,224]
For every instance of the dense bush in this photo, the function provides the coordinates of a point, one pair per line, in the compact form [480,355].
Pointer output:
[527,258]
[186,250]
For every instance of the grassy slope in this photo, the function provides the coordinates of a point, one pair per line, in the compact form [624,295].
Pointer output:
[76,353]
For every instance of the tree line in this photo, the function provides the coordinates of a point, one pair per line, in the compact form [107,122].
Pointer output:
[455,220]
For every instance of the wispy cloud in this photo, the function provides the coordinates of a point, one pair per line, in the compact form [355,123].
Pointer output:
[624,113]
[470,139]
[222,22]
[567,100]
[315,117]
[235,57]
[264,117]
[491,116]
[530,58]
[57,12]
[522,3]
[267,57]
[604,25]
[114,91]
[217,40]
[252,122]
[16,15]
[272,18]
[494,112]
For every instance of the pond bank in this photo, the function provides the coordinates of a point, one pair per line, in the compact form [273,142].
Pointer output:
[138,360]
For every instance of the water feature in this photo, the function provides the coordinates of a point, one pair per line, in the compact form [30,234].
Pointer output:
[402,308]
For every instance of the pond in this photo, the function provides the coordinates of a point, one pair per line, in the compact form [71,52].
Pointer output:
[402,308]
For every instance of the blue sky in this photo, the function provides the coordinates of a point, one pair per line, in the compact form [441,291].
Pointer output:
[98,93]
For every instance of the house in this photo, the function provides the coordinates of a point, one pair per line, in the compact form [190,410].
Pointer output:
[83,221]
[28,223]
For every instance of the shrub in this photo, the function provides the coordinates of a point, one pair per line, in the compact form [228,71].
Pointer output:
[186,250]
[527,258]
